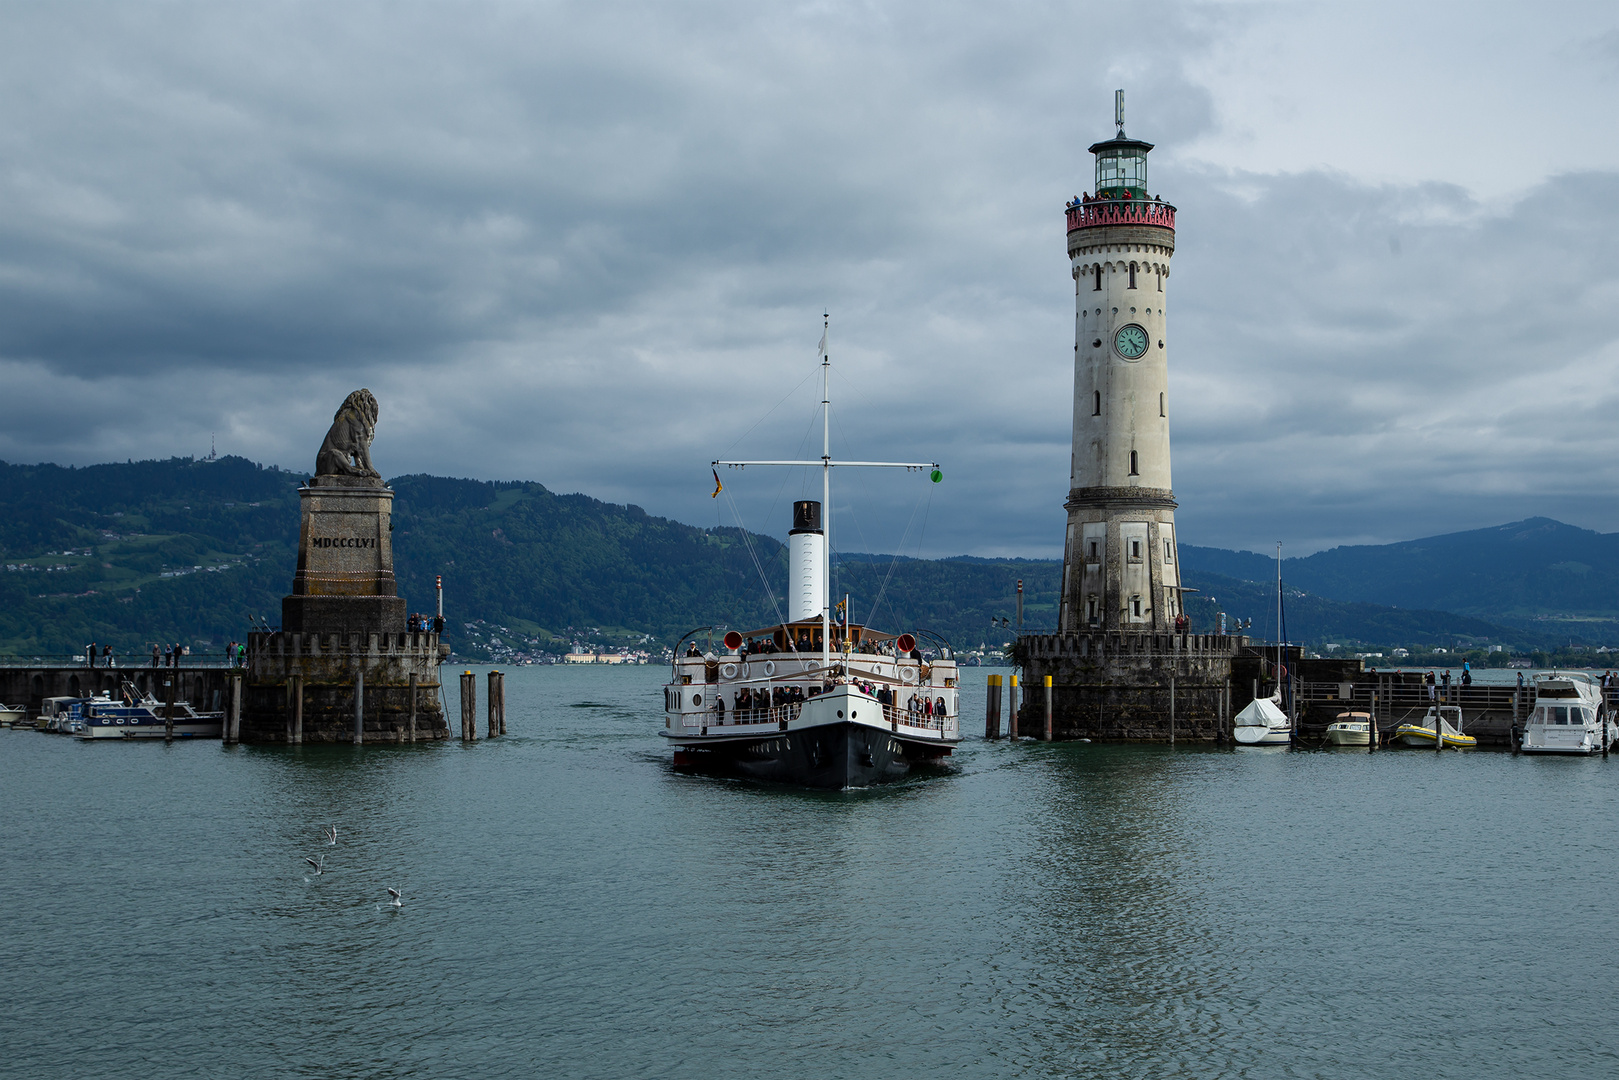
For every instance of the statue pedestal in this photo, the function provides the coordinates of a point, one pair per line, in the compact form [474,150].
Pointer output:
[345,579]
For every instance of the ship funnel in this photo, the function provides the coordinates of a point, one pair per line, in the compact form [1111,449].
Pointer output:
[806,557]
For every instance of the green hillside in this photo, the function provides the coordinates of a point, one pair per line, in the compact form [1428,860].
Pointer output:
[193,551]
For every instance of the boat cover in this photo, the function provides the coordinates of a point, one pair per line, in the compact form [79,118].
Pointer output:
[1262,712]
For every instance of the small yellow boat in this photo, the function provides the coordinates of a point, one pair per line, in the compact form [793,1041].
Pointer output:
[1447,719]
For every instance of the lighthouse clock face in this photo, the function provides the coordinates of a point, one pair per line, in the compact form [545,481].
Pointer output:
[1131,341]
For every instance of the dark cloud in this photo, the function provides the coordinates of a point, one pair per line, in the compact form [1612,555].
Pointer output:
[590,246]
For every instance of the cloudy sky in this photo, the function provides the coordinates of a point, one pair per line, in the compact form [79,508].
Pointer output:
[590,245]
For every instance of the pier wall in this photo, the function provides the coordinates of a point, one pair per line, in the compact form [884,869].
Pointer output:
[301,687]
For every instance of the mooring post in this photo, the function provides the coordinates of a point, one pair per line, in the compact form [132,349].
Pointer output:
[413,707]
[494,707]
[359,706]
[1604,729]
[992,709]
[501,686]
[1172,710]
[1011,709]
[298,709]
[1049,708]
[236,708]
[469,707]
[168,710]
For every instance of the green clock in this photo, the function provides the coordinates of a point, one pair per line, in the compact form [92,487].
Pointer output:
[1131,341]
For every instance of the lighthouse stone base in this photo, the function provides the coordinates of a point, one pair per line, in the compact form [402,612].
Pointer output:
[1115,685]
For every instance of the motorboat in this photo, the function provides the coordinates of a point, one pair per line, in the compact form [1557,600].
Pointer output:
[145,718]
[1570,716]
[12,715]
[817,699]
[1262,723]
[1350,729]
[1444,719]
[65,715]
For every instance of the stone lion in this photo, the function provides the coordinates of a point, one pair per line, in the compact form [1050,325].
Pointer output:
[347,449]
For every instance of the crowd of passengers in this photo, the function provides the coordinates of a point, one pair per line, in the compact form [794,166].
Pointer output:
[751,702]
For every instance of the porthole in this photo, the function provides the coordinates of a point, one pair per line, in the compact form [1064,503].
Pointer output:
[696,700]
[840,714]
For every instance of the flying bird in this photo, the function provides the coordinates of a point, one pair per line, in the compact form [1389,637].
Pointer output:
[320,867]
[330,835]
[398,900]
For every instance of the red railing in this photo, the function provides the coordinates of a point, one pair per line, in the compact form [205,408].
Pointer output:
[1102,212]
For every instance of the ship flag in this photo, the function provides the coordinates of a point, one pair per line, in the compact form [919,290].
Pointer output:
[718,487]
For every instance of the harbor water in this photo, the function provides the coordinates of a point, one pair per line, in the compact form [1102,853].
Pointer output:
[573,907]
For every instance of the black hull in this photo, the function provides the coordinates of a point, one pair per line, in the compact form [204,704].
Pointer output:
[830,756]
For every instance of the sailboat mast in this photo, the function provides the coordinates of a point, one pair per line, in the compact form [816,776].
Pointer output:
[826,493]
[1278,617]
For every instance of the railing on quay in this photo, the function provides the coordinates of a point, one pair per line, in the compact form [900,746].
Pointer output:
[130,663]
[1102,212]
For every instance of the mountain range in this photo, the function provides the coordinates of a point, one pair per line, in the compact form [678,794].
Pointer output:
[199,551]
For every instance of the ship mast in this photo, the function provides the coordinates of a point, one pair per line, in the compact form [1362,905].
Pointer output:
[827,465]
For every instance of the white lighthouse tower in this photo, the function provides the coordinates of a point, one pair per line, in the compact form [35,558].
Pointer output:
[1120,568]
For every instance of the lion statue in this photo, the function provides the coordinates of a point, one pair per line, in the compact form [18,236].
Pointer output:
[347,449]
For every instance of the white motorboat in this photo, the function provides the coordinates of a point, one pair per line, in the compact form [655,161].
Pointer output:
[1350,729]
[146,718]
[1446,720]
[12,715]
[815,700]
[1262,723]
[1570,716]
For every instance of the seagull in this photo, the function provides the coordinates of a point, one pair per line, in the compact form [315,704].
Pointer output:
[398,900]
[330,835]
[320,867]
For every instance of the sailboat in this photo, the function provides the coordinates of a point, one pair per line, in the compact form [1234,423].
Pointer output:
[1263,722]
[814,700]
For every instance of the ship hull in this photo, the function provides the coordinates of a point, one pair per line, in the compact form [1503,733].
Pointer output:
[830,756]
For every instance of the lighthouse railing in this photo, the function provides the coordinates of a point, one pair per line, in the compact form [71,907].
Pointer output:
[1102,212]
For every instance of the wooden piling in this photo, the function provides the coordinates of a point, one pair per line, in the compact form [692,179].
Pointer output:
[1371,725]
[168,708]
[495,702]
[413,706]
[992,709]
[1011,709]
[359,706]
[498,695]
[1049,707]
[235,708]
[297,682]
[469,707]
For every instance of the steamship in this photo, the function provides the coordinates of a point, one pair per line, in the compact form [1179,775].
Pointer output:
[816,700]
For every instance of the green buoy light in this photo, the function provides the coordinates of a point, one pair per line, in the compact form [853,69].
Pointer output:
[936,476]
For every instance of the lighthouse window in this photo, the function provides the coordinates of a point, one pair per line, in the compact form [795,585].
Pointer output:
[1169,552]
[1135,549]
[1161,404]
[1093,549]
[1135,606]
[1096,404]
[1099,280]
[1090,608]
[1160,281]
[1133,470]
[1132,275]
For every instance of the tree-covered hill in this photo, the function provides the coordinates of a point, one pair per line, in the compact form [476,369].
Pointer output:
[193,551]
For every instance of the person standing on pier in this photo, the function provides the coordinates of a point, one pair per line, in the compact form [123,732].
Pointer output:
[154,656]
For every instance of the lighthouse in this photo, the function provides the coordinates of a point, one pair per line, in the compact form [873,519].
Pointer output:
[1120,568]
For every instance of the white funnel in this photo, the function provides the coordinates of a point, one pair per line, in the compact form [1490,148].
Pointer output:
[806,554]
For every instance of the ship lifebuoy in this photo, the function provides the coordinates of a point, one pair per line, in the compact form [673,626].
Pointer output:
[812,665]
[729,671]
[770,668]
[907,674]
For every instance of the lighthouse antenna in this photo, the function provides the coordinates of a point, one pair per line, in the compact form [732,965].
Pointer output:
[1118,110]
